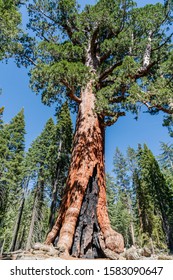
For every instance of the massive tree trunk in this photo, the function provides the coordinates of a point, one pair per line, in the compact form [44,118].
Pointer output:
[83,227]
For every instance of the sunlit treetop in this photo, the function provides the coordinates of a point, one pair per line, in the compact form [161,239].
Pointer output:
[124,50]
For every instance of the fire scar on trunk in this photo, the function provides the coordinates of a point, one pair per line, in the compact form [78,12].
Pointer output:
[83,226]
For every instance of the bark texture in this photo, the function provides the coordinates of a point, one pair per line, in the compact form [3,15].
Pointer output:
[76,228]
[86,240]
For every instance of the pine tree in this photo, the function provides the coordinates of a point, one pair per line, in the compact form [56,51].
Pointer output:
[166,163]
[59,158]
[106,60]
[111,193]
[3,154]
[39,172]
[153,199]
[124,203]
[166,158]
[46,165]
[12,173]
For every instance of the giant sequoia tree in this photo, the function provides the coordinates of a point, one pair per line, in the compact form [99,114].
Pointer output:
[106,60]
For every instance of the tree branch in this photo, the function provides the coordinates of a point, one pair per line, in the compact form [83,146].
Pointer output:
[69,31]
[114,118]
[166,41]
[30,60]
[117,99]
[93,40]
[66,26]
[109,71]
[158,107]
[104,57]
[142,71]
[74,97]
[146,66]
[71,92]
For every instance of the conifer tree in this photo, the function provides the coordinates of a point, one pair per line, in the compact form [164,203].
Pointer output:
[3,154]
[46,170]
[12,173]
[166,163]
[153,199]
[59,158]
[39,172]
[124,203]
[9,27]
[166,158]
[106,60]
[111,193]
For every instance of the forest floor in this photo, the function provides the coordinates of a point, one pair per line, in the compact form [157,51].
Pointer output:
[51,253]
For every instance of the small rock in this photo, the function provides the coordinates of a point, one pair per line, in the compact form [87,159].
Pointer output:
[38,252]
[131,254]
[26,257]
[165,257]
[146,252]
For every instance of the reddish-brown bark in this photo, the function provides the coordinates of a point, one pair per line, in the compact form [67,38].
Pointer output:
[87,156]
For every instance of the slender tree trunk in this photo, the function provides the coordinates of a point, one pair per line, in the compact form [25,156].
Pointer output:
[166,227]
[86,190]
[17,225]
[55,190]
[21,239]
[37,209]
[132,232]
[54,201]
[2,247]
[31,228]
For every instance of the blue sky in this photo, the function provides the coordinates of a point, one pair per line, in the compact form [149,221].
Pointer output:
[16,95]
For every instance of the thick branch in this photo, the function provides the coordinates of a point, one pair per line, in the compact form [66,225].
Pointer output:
[147,53]
[142,71]
[67,26]
[108,71]
[116,99]
[71,92]
[147,65]
[114,118]
[93,40]
[158,107]
[104,57]
[74,97]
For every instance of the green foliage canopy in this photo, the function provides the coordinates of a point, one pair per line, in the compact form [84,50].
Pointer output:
[126,51]
[10,20]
